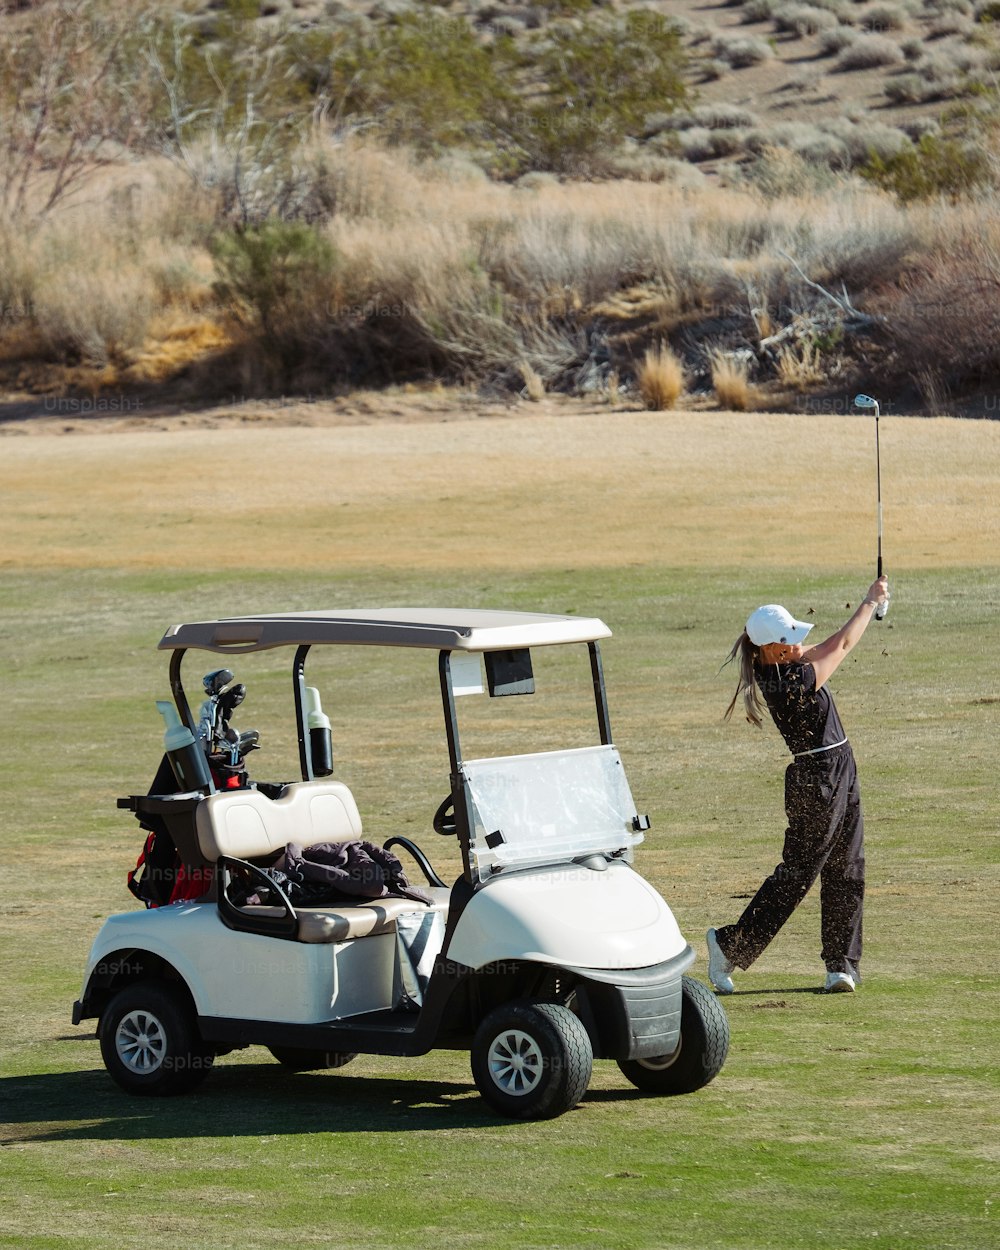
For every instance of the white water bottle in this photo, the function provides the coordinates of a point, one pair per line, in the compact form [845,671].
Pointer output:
[320,737]
[186,757]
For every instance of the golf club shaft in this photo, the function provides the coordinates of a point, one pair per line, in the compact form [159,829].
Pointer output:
[883,607]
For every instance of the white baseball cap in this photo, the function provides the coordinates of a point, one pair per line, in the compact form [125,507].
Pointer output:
[773,623]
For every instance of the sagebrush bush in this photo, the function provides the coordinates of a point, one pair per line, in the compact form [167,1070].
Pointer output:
[803,19]
[882,17]
[869,52]
[832,42]
[740,51]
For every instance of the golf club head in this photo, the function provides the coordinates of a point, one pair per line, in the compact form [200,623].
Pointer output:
[216,680]
[230,699]
[249,740]
[865,401]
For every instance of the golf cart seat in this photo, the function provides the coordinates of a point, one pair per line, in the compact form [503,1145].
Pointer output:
[243,825]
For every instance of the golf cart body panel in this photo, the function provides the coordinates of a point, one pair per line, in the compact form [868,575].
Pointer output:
[305,982]
[571,916]
[549,950]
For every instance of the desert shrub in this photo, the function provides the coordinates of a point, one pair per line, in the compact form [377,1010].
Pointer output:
[660,378]
[712,117]
[945,320]
[869,52]
[71,100]
[832,42]
[937,166]
[90,314]
[909,89]
[422,80]
[279,280]
[843,10]
[865,139]
[950,24]
[882,17]
[756,11]
[588,103]
[741,51]
[803,19]
[714,69]
[775,172]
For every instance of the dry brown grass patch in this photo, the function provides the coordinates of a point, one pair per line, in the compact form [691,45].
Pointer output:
[730,380]
[660,378]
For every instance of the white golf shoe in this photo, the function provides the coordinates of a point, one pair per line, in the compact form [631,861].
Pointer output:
[839,983]
[719,967]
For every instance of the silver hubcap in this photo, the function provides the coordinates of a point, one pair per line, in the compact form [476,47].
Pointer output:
[659,1063]
[516,1063]
[141,1042]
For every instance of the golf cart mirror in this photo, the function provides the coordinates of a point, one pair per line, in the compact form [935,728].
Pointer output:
[509,672]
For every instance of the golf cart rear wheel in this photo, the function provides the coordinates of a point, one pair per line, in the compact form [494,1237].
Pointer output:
[296,1060]
[701,1048]
[150,1043]
[532,1061]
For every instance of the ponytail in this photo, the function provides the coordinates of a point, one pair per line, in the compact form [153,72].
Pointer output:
[745,651]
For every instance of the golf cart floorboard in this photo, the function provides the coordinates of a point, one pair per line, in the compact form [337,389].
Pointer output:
[384,1032]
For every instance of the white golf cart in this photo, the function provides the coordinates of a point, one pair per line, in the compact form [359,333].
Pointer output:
[549,950]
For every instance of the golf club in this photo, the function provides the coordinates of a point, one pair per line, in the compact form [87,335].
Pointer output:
[866,401]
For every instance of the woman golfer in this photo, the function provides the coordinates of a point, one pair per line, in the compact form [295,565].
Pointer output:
[825,835]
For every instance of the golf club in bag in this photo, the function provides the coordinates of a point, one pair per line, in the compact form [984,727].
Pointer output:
[866,401]
[225,746]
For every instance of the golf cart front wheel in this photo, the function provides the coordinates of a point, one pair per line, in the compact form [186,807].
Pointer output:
[701,1048]
[297,1060]
[150,1043]
[532,1061]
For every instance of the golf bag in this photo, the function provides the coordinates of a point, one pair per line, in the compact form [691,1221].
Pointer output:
[160,876]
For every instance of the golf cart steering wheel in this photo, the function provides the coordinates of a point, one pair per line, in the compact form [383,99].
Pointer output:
[444,818]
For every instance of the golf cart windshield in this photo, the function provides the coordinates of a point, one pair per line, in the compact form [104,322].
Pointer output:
[548,808]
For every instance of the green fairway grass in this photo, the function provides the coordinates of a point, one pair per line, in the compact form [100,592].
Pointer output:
[837,1121]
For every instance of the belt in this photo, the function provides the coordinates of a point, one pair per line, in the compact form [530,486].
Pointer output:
[820,750]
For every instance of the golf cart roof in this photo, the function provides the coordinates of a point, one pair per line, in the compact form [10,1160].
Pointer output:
[444,629]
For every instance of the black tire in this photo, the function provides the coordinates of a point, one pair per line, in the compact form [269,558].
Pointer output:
[532,1061]
[701,1050]
[297,1060]
[150,1042]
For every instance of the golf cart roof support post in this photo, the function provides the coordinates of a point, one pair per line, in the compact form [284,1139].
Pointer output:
[299,689]
[177,690]
[600,693]
[459,790]
[450,715]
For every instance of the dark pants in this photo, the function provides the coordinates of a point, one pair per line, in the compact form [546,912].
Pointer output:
[825,838]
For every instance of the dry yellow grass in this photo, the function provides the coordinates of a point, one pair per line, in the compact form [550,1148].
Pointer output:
[401,492]
[534,387]
[799,365]
[660,378]
[730,381]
